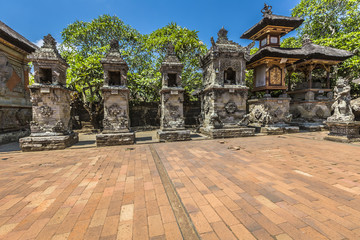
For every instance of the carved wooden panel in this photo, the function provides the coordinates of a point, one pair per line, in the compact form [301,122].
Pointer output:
[275,75]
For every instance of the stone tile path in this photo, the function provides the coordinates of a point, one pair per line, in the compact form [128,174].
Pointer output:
[275,187]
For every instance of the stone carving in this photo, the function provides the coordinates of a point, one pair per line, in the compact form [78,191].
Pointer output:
[59,127]
[114,110]
[45,111]
[215,120]
[258,115]
[230,107]
[49,42]
[341,106]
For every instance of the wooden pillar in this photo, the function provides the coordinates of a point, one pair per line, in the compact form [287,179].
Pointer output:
[309,73]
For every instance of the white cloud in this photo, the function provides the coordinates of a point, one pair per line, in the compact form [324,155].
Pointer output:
[39,43]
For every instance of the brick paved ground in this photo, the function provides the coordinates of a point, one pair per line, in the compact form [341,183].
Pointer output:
[282,187]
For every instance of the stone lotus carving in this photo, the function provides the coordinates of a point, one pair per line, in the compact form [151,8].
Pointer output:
[341,106]
[45,111]
[259,115]
[230,107]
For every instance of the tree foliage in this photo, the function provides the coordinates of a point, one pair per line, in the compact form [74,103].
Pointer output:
[85,43]
[332,23]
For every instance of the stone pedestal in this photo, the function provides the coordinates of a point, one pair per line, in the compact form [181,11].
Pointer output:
[51,124]
[116,118]
[54,142]
[223,107]
[172,112]
[270,116]
[344,131]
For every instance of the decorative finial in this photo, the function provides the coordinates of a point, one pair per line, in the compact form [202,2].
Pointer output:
[114,45]
[170,49]
[266,10]
[222,34]
[306,40]
[49,42]
[212,42]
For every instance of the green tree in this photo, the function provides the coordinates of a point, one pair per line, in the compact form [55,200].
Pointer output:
[188,48]
[83,46]
[332,23]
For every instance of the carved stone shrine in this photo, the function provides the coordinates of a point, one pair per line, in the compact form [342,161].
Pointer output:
[312,96]
[15,105]
[341,124]
[51,126]
[115,93]
[224,93]
[172,100]
[269,66]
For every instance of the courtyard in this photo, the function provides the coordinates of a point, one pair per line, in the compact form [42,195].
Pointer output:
[293,186]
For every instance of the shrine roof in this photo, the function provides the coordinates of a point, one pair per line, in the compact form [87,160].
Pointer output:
[309,50]
[273,20]
[16,39]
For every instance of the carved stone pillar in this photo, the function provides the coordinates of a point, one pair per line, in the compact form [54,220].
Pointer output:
[51,126]
[116,101]
[172,97]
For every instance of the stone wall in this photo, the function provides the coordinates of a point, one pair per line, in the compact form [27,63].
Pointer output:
[15,106]
[147,115]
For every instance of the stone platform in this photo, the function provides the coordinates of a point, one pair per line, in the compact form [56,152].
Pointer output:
[41,143]
[344,131]
[310,126]
[228,132]
[173,136]
[275,129]
[113,139]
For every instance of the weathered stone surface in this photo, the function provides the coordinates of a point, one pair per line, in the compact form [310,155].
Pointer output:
[277,108]
[341,106]
[344,131]
[224,93]
[172,122]
[15,106]
[355,105]
[51,126]
[229,132]
[113,139]
[41,143]
[172,136]
[116,100]
[341,124]
[311,111]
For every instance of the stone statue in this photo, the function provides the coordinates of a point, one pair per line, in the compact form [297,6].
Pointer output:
[341,106]
[258,115]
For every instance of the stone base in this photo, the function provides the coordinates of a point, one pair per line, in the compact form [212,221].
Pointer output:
[113,139]
[41,143]
[276,129]
[310,126]
[173,136]
[228,132]
[344,131]
[13,136]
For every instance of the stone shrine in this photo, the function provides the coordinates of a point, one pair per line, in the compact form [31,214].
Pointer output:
[51,123]
[269,65]
[312,97]
[224,93]
[115,93]
[15,105]
[172,100]
[341,124]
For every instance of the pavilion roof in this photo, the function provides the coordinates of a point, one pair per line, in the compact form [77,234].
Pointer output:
[16,39]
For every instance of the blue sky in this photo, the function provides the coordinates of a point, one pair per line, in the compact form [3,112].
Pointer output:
[35,19]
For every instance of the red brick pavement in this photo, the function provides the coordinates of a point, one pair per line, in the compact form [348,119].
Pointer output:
[282,187]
